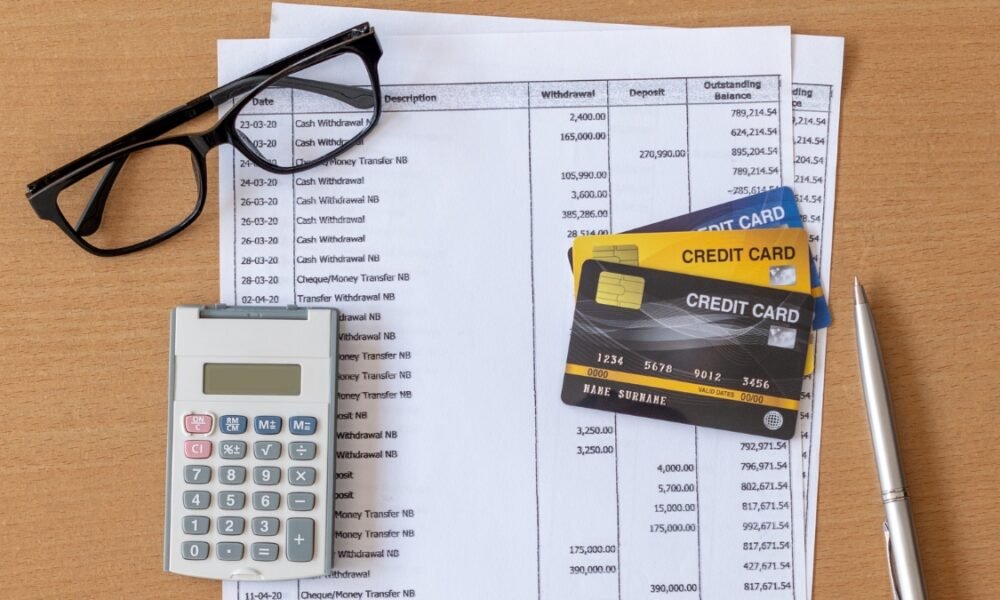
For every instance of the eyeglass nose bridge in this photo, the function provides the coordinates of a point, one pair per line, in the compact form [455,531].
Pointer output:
[210,138]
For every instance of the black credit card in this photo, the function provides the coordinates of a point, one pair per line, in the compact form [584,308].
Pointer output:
[688,349]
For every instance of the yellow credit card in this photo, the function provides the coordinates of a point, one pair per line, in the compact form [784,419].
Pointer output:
[775,258]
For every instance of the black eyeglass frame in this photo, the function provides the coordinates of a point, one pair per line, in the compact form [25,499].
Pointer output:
[43,193]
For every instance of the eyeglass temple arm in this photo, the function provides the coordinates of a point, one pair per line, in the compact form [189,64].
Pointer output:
[357,97]
[354,96]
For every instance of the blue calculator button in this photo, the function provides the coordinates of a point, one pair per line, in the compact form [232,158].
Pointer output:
[267,425]
[302,425]
[233,424]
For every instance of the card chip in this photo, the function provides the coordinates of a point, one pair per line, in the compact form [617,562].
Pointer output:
[627,254]
[617,289]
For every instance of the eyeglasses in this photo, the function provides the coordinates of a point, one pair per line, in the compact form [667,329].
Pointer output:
[101,200]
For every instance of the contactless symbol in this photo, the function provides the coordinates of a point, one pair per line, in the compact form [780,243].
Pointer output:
[783,275]
[773,420]
[781,337]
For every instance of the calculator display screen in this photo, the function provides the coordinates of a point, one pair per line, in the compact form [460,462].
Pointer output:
[242,379]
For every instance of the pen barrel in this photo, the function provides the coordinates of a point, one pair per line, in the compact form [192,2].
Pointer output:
[904,561]
[875,387]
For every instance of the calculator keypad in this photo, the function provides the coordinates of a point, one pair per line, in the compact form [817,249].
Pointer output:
[265,526]
[301,475]
[248,488]
[302,450]
[233,424]
[264,551]
[301,501]
[266,475]
[197,448]
[232,450]
[231,525]
[267,450]
[198,423]
[229,550]
[267,425]
[194,550]
[195,525]
[197,500]
[266,500]
[232,475]
[197,473]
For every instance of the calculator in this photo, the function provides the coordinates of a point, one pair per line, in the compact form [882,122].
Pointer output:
[250,442]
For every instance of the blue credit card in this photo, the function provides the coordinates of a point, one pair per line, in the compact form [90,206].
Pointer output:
[774,208]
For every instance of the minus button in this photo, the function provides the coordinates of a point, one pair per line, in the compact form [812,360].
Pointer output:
[301,501]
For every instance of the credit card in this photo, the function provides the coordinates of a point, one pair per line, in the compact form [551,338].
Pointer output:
[689,349]
[774,208]
[766,257]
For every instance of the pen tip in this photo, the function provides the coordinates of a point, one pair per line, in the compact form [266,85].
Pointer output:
[859,293]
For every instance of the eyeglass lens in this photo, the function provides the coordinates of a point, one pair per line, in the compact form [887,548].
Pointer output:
[334,99]
[133,199]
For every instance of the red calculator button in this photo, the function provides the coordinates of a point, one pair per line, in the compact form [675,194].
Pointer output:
[197,448]
[198,423]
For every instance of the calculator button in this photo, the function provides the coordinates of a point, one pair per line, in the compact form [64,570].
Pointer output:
[232,450]
[233,424]
[302,475]
[232,500]
[301,501]
[302,450]
[267,425]
[264,526]
[198,423]
[197,448]
[229,550]
[194,550]
[266,450]
[195,525]
[266,500]
[266,475]
[231,525]
[299,540]
[197,473]
[232,475]
[264,551]
[302,425]
[197,500]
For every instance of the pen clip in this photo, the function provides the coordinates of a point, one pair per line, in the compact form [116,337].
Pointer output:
[888,556]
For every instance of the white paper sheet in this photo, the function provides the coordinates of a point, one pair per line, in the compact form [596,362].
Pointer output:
[472,294]
[817,65]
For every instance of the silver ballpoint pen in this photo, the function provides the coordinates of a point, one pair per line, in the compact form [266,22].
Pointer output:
[900,538]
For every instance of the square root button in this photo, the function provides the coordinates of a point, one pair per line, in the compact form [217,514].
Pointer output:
[302,425]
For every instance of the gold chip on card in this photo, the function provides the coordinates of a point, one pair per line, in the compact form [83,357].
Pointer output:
[623,291]
[626,254]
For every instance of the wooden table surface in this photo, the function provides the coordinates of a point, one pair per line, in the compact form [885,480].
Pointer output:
[83,341]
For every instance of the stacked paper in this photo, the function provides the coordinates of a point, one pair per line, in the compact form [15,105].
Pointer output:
[460,473]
